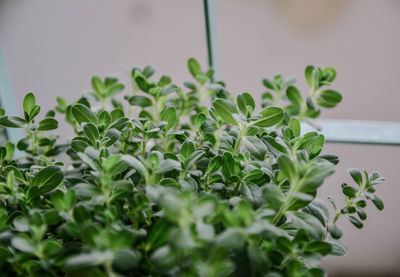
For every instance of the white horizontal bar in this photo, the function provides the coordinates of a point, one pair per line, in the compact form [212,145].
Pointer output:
[358,131]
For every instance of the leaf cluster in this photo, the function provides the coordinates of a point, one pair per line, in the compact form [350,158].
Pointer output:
[157,184]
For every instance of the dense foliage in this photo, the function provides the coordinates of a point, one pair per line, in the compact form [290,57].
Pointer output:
[156,184]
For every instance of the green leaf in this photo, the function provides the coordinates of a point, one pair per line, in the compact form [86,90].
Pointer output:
[316,176]
[142,83]
[329,74]
[269,117]
[256,147]
[307,222]
[214,164]
[11,121]
[85,260]
[294,125]
[69,199]
[209,126]
[104,118]
[231,238]
[254,175]
[321,247]
[82,113]
[293,268]
[3,153]
[361,213]
[378,202]
[136,164]
[57,199]
[115,89]
[269,84]
[167,166]
[284,244]
[193,158]
[287,168]
[338,249]
[335,231]
[148,71]
[141,101]
[91,132]
[187,149]
[10,147]
[158,235]
[29,103]
[329,98]
[310,76]
[97,85]
[246,103]
[294,95]
[200,119]
[356,175]
[356,222]
[22,244]
[307,140]
[48,178]
[276,145]
[253,193]
[126,259]
[169,116]
[225,110]
[273,195]
[194,67]
[349,191]
[47,124]
[79,144]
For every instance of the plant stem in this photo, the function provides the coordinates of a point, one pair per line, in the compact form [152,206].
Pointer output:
[239,140]
[217,139]
[350,202]
[288,198]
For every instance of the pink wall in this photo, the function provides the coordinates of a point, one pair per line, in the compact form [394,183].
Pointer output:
[54,47]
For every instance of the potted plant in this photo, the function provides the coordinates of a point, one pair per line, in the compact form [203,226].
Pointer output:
[161,185]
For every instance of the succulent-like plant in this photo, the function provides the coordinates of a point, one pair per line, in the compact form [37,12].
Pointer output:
[163,186]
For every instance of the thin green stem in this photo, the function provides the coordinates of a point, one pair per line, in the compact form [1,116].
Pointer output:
[217,139]
[239,140]
[282,210]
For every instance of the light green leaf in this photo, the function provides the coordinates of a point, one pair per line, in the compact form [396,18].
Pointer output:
[141,101]
[97,85]
[269,117]
[287,168]
[47,124]
[48,178]
[29,103]
[167,166]
[83,114]
[225,110]
[294,125]
[169,115]
[22,244]
[321,247]
[91,132]
[309,72]
[246,103]
[187,149]
[294,96]
[194,67]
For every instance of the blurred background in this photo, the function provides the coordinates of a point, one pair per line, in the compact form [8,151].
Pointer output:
[53,48]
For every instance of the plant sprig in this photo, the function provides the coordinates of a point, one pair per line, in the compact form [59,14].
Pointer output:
[162,185]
